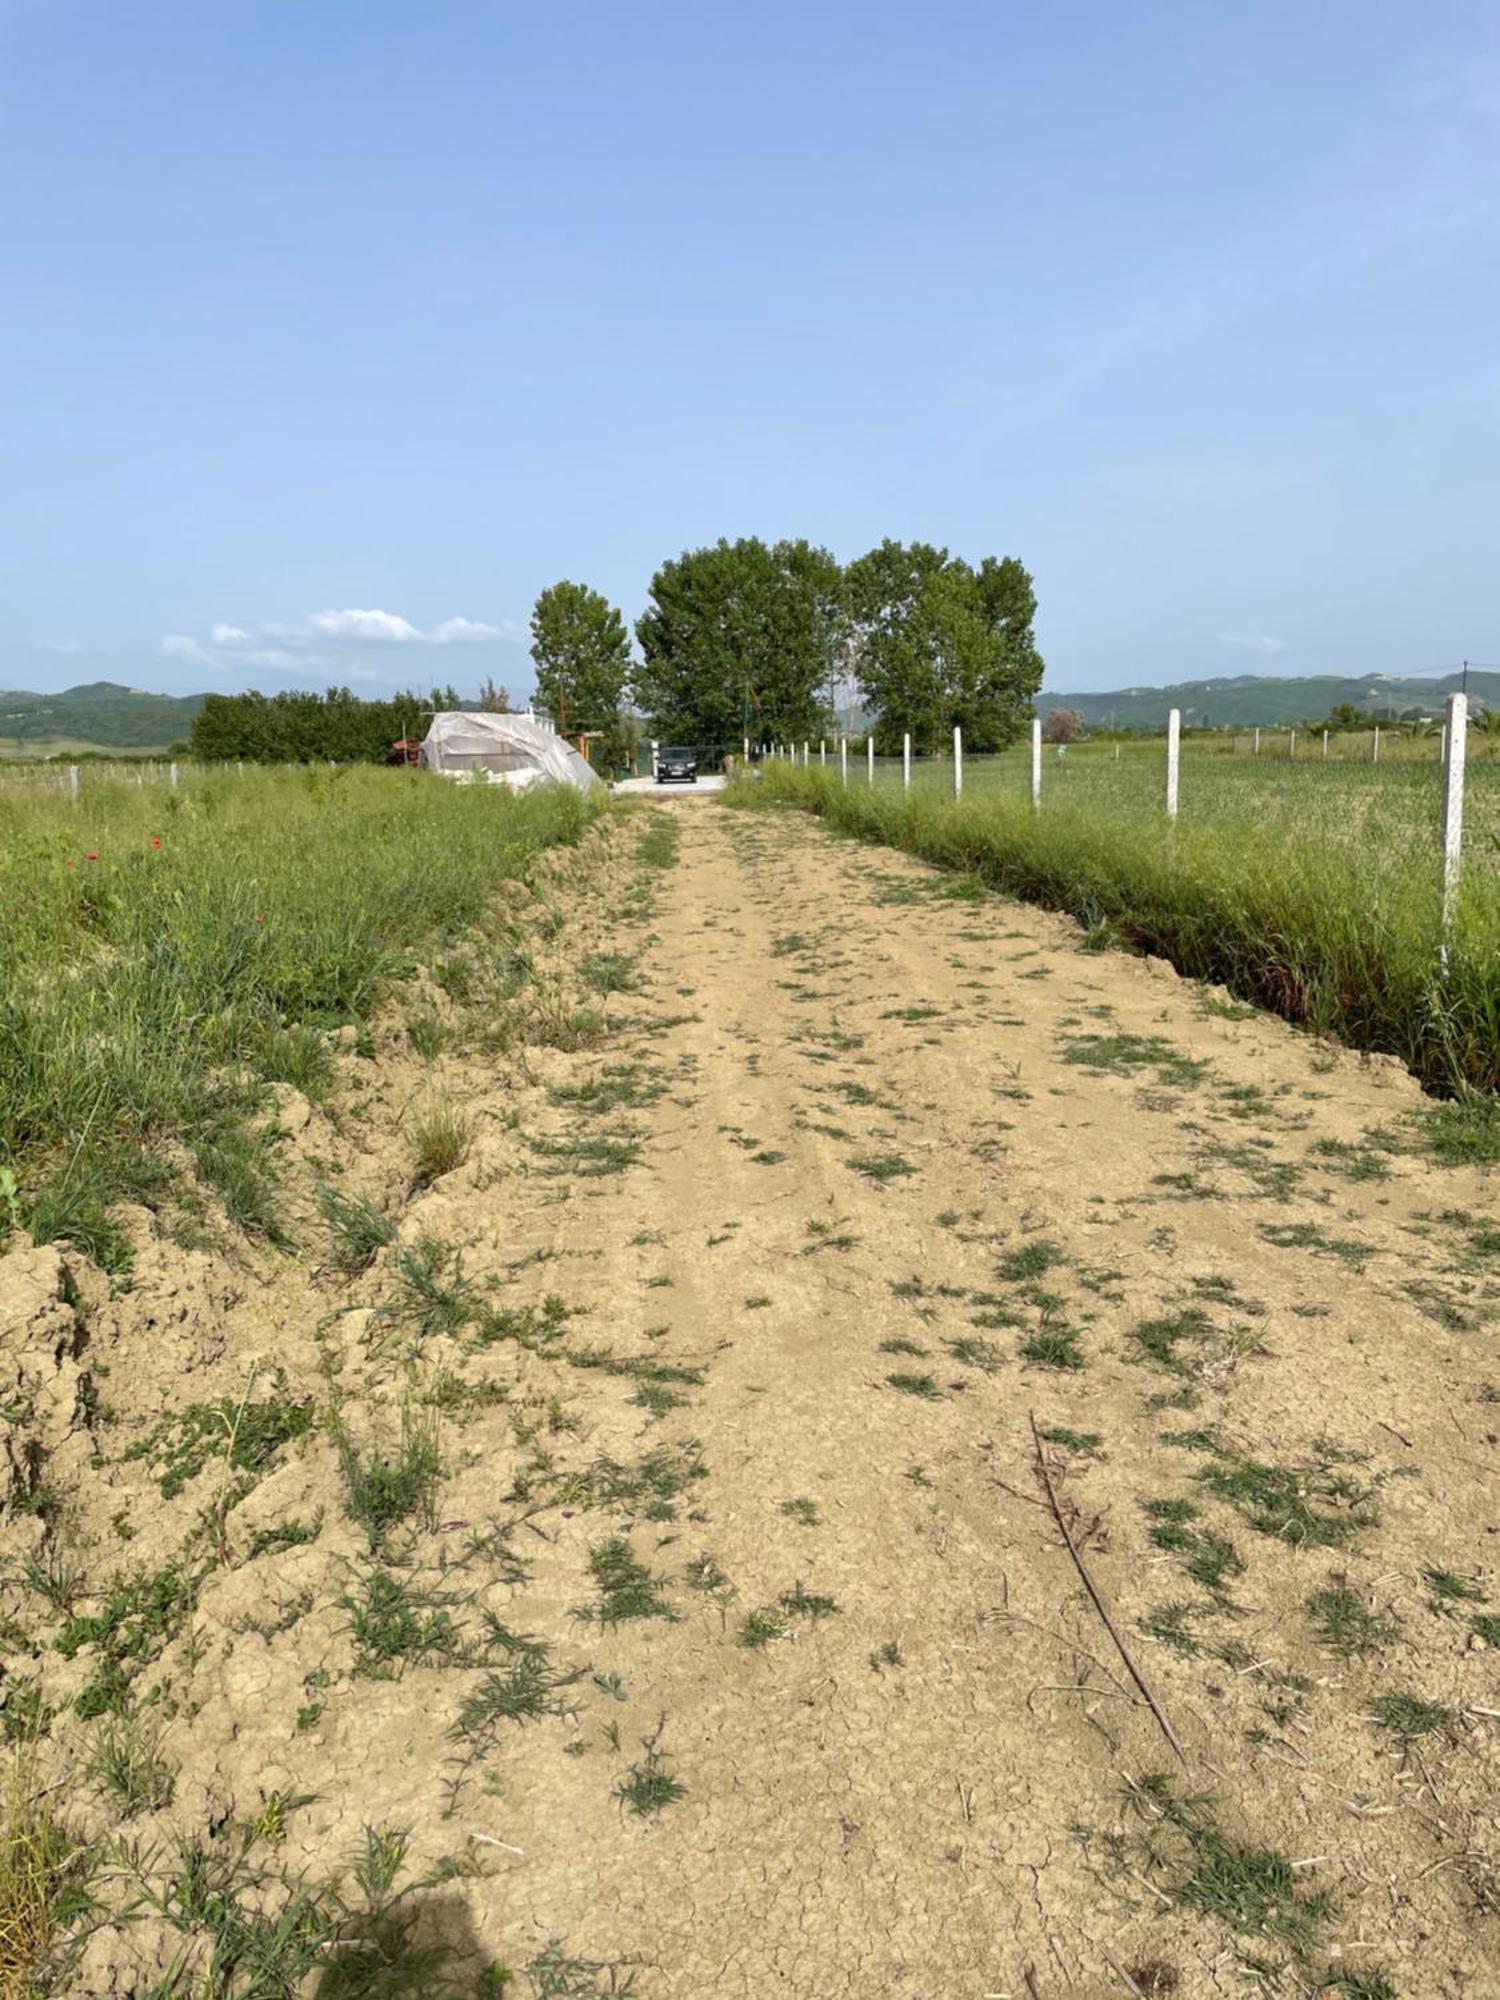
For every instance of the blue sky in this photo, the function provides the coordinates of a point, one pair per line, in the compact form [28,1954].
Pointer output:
[334,329]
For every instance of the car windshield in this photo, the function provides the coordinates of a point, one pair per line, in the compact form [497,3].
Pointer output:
[678,754]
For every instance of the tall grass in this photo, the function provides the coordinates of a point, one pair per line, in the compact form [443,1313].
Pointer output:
[1280,916]
[164,954]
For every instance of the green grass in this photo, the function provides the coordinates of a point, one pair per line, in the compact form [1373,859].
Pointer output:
[1054,1344]
[396,1623]
[1345,1623]
[627,1589]
[357,1230]
[1339,933]
[525,1689]
[881,1167]
[1207,1557]
[1088,1443]
[126,1762]
[975,1352]
[1316,1503]
[430,1294]
[148,998]
[138,1618]
[1031,1260]
[440,1138]
[1408,1717]
[649,1785]
[1254,1890]
[923,1387]
[384,1488]
[247,1436]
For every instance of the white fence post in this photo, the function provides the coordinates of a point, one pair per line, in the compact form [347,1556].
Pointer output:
[1453,804]
[655,746]
[1256,751]
[1325,746]
[822,749]
[1036,760]
[906,761]
[958,761]
[1291,748]
[73,782]
[1375,746]
[870,757]
[844,759]
[747,749]
[173,769]
[1174,758]
[806,755]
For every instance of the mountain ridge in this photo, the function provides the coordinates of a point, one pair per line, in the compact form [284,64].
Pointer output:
[1261,701]
[97,715]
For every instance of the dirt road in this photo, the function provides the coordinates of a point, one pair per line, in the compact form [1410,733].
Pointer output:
[866,1173]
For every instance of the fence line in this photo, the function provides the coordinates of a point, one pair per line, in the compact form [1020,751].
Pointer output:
[1393,811]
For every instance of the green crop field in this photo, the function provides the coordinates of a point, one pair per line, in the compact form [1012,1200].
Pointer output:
[166,955]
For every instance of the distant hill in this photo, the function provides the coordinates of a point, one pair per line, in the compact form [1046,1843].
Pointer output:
[98,716]
[1262,701]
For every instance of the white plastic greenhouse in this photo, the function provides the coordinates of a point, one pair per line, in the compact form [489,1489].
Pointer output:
[509,750]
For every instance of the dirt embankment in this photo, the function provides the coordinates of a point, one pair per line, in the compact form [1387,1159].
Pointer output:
[653,1529]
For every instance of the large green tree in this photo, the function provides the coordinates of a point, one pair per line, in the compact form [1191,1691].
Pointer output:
[741,639]
[582,654]
[938,643]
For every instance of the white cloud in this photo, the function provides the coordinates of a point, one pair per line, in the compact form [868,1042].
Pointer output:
[328,640]
[1252,642]
[382,628]
[457,631]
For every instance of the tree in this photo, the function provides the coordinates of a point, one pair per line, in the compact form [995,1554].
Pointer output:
[294,727]
[1063,725]
[582,654]
[494,700]
[939,644]
[741,639]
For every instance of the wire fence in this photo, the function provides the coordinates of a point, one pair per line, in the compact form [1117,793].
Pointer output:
[1394,796]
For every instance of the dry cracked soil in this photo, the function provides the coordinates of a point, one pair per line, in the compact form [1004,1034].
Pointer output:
[655,1531]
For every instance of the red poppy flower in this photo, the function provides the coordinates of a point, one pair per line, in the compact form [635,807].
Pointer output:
[259,919]
[91,857]
[156,843]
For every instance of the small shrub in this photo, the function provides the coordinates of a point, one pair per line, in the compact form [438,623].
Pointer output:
[385,1488]
[441,1137]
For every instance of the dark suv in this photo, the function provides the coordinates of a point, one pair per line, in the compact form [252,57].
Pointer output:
[676,766]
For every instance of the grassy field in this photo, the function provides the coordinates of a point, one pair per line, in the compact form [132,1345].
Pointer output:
[1312,890]
[1388,812]
[167,955]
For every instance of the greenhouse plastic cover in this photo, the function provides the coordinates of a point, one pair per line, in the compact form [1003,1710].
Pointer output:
[506,749]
